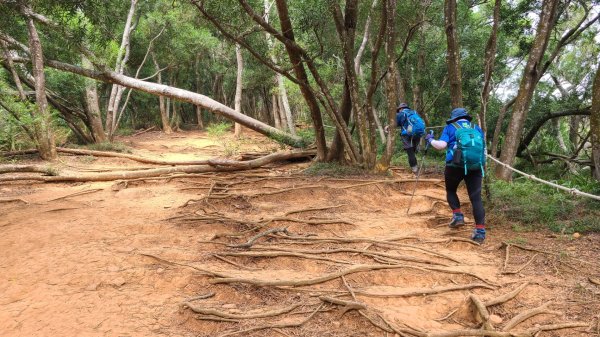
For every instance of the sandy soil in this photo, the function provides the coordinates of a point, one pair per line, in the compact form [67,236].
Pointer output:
[124,258]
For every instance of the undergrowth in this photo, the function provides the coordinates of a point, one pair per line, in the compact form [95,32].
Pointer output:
[333,170]
[218,129]
[528,205]
[110,146]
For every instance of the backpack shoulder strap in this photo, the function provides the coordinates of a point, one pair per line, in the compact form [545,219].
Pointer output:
[456,126]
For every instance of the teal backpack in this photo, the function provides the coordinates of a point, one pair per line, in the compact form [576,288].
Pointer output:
[470,147]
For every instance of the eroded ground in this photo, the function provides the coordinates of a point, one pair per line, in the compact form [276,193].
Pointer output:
[134,258]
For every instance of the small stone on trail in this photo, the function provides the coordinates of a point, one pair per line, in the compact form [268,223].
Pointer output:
[230,306]
[495,319]
[113,269]
[119,281]
[576,235]
[337,324]
[160,270]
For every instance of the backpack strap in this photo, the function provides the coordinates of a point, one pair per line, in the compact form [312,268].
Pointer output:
[456,126]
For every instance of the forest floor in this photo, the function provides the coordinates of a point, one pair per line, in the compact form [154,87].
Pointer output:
[157,257]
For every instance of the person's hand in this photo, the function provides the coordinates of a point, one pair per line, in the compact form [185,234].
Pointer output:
[429,137]
[386,129]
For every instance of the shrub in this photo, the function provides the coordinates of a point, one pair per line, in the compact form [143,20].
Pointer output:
[218,129]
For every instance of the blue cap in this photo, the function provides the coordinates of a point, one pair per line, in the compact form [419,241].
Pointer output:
[458,113]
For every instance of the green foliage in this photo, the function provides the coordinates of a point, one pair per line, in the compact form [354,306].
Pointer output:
[216,130]
[110,146]
[528,205]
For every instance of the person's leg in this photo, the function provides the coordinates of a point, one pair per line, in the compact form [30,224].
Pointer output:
[473,181]
[452,178]
[412,157]
[407,143]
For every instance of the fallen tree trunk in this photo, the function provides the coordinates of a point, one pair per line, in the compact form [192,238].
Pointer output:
[25,169]
[212,165]
[208,103]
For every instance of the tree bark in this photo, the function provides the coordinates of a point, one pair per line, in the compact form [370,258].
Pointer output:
[92,107]
[298,65]
[239,83]
[453,54]
[166,126]
[526,88]
[13,71]
[595,125]
[122,58]
[490,59]
[281,91]
[391,83]
[43,124]
[346,27]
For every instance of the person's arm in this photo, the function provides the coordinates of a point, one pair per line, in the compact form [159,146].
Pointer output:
[438,144]
[442,143]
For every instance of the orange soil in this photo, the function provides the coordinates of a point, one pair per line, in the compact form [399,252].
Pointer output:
[76,266]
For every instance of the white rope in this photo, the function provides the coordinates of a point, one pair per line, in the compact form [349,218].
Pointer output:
[572,191]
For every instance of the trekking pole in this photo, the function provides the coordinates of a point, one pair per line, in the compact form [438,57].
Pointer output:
[418,174]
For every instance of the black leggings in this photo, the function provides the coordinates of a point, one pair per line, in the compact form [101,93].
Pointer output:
[453,177]
[412,157]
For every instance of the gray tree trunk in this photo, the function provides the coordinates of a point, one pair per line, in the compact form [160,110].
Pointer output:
[122,58]
[43,123]
[93,107]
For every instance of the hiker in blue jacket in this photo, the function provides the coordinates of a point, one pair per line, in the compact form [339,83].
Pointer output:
[412,128]
[457,168]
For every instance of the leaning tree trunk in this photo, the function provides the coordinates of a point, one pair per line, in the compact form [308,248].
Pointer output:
[238,88]
[92,107]
[526,88]
[453,54]
[595,125]
[43,123]
[122,58]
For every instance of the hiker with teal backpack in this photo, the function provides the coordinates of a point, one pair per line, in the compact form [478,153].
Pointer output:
[465,160]
[412,129]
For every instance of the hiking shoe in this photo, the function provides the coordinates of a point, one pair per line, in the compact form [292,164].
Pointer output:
[458,219]
[415,169]
[478,235]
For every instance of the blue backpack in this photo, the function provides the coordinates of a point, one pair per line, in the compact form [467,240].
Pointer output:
[414,125]
[470,147]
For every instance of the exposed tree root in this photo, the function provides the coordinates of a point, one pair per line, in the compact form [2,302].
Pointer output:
[76,194]
[285,253]
[276,325]
[522,267]
[483,312]
[543,309]
[260,235]
[506,297]
[424,291]
[263,314]
[358,251]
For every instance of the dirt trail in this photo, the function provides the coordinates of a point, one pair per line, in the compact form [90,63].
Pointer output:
[84,266]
